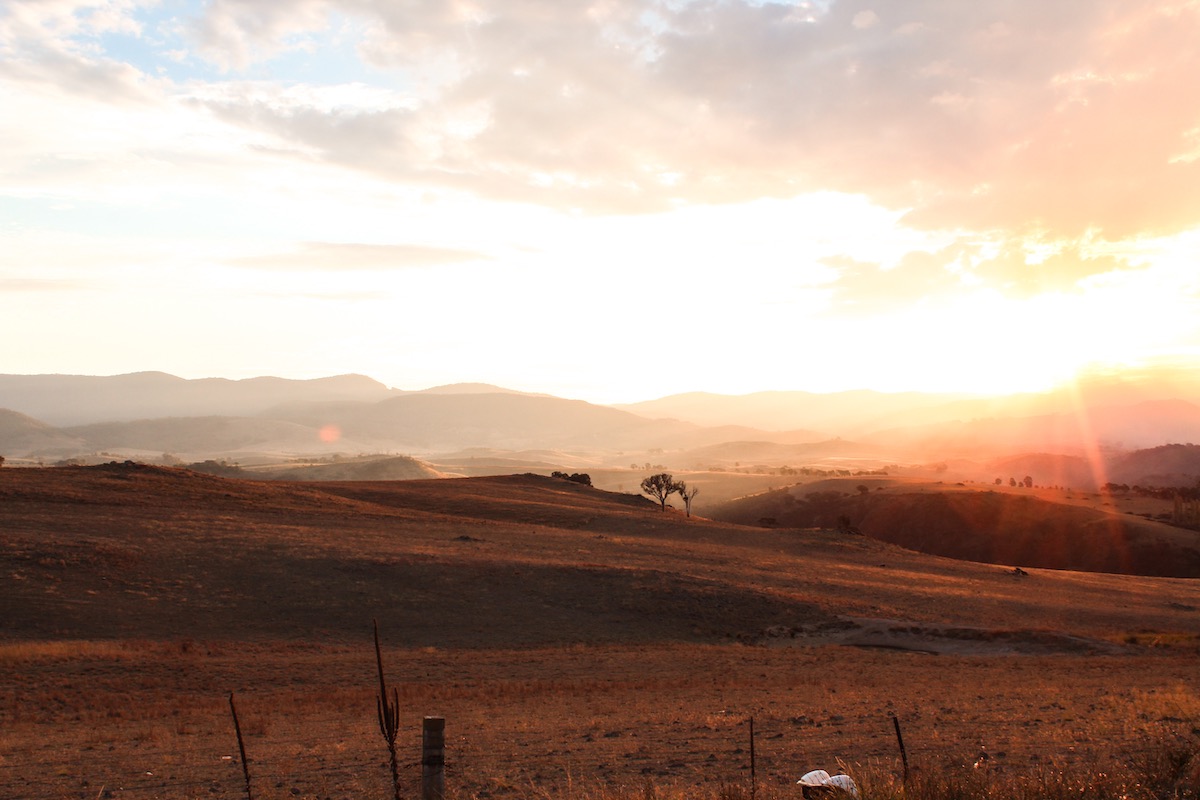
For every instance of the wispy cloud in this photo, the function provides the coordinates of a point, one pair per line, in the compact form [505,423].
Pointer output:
[350,256]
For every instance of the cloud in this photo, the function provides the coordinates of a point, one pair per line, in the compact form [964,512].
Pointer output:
[57,43]
[236,34]
[1020,273]
[863,288]
[1052,120]
[1060,118]
[335,256]
[1011,268]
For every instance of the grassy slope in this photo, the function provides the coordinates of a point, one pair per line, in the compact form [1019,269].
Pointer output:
[572,639]
[122,550]
[1045,529]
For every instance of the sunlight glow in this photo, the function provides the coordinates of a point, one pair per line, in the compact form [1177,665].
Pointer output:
[448,212]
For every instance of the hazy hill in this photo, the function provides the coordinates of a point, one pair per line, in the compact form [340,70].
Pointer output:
[1049,469]
[1129,411]
[22,434]
[1080,432]
[83,399]
[446,422]
[837,413]
[197,436]
[982,525]
[1167,465]
[474,388]
[145,413]
[730,453]
[390,468]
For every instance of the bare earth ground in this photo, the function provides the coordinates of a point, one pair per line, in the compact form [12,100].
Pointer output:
[571,638]
[152,720]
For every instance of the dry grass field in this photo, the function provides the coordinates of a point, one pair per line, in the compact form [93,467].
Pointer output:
[1053,528]
[580,644]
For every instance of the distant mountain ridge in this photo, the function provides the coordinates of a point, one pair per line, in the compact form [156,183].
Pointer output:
[63,400]
[155,415]
[349,414]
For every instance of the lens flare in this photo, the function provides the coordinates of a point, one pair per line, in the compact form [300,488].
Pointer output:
[329,433]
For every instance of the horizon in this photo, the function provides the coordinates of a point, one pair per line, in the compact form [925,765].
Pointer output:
[614,202]
[1161,377]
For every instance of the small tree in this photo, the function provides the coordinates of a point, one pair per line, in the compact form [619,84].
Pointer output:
[661,486]
[688,493]
[1028,482]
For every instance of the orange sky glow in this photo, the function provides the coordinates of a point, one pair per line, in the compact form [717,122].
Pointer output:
[611,200]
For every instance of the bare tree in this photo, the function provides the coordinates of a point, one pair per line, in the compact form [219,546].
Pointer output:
[688,493]
[661,486]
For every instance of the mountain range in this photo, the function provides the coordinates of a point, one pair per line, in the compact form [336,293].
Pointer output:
[153,415]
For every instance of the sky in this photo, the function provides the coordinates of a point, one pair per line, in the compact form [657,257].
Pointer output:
[613,200]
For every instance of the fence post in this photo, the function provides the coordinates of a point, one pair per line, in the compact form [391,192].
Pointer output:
[903,752]
[753,764]
[433,758]
[237,728]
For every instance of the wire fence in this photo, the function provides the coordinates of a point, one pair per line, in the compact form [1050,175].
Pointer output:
[323,766]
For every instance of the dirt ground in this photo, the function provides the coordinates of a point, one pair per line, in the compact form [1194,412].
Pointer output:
[572,639]
[152,720]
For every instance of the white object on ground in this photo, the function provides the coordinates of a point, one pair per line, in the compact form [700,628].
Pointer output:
[820,779]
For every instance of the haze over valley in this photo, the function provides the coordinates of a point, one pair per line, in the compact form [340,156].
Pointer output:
[1072,437]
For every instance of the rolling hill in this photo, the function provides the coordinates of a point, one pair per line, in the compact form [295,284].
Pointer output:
[569,637]
[1063,438]
[131,550]
[980,524]
[23,434]
[64,400]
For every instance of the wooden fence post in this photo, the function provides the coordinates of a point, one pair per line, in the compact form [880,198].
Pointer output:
[903,752]
[433,758]
[237,728]
[753,764]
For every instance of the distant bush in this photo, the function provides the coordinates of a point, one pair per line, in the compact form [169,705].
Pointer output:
[576,477]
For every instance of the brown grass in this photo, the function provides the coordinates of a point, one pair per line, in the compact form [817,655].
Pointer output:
[1037,527]
[579,645]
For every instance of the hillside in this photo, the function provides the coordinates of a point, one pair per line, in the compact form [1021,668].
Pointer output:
[624,645]
[146,415]
[122,549]
[1079,431]
[194,437]
[844,413]
[84,399]
[1167,465]
[985,525]
[444,422]
[1131,410]
[386,468]
[23,434]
